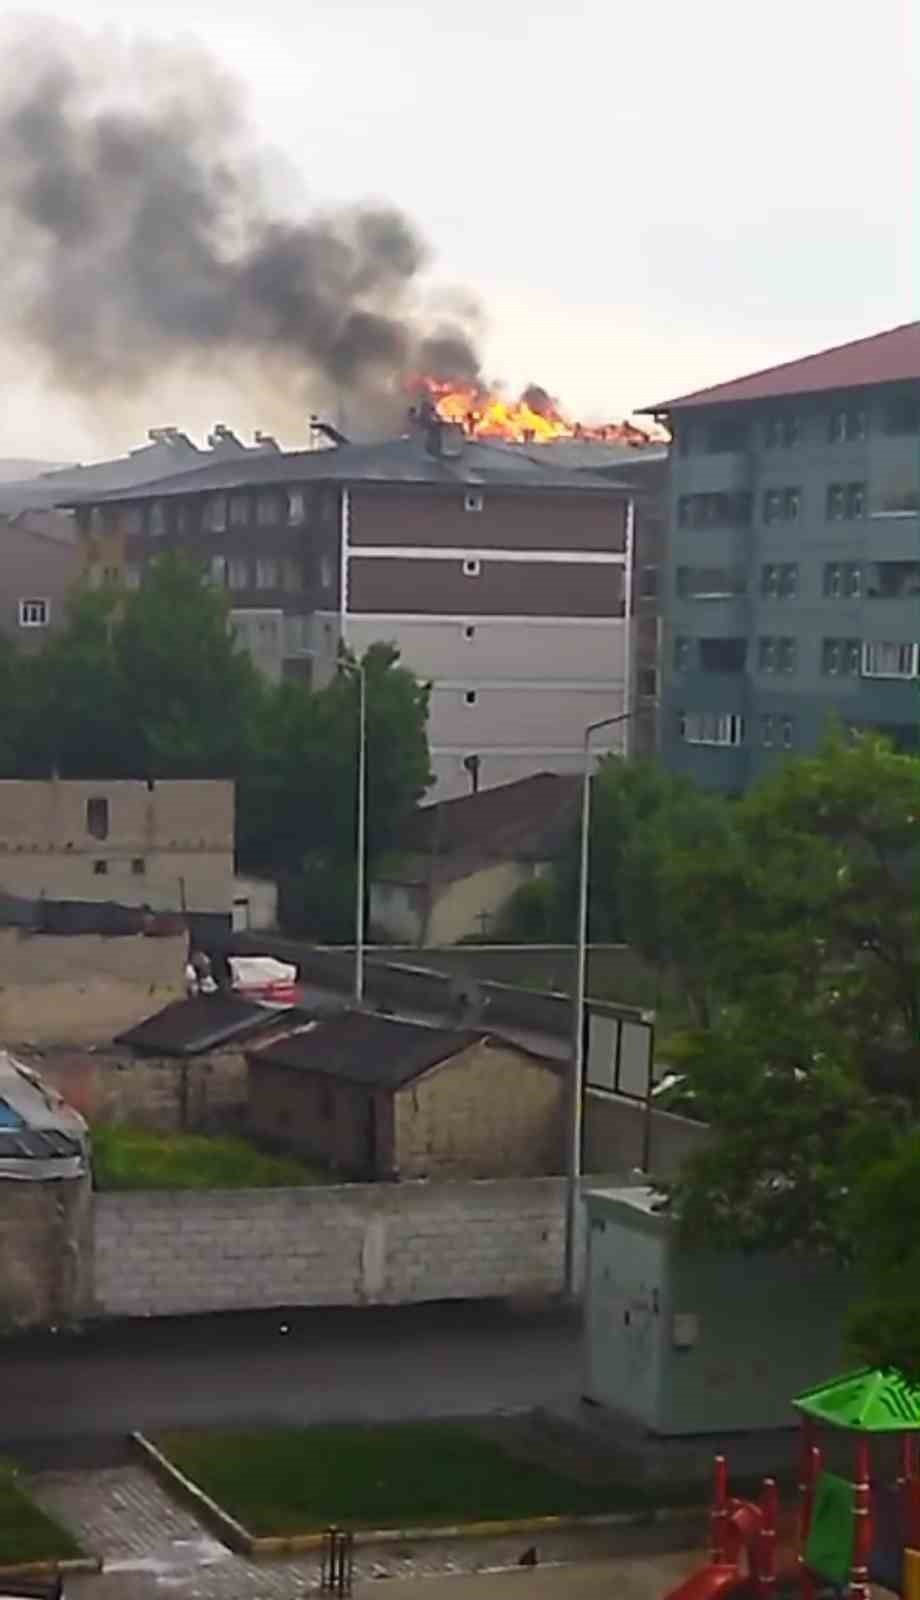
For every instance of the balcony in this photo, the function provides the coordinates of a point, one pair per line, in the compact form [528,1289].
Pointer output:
[726,472]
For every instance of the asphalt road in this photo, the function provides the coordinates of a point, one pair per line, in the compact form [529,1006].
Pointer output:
[83,1392]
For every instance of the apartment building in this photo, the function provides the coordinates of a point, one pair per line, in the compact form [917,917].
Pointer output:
[791,587]
[503,578]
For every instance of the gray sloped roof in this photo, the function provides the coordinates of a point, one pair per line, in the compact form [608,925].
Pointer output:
[360,1047]
[191,1027]
[479,464]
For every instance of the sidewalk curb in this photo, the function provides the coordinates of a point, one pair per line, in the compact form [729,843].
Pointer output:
[50,1569]
[243,1542]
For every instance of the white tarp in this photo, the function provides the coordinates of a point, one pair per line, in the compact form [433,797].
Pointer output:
[30,1105]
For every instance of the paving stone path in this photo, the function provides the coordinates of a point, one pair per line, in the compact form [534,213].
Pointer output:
[153,1547]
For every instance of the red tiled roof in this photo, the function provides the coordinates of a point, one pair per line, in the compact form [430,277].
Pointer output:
[892,357]
[524,820]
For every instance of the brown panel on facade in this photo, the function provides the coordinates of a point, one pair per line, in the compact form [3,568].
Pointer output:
[540,520]
[501,588]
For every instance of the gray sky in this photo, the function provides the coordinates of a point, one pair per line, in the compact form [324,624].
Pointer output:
[643,199]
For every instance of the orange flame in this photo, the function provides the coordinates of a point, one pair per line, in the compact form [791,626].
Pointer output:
[533,419]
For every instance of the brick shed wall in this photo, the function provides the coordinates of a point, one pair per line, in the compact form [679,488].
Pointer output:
[489,1112]
[206,1094]
[173,1253]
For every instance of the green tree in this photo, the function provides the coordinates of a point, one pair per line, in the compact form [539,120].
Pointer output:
[77,726]
[884,1217]
[190,695]
[13,707]
[299,804]
[810,1065]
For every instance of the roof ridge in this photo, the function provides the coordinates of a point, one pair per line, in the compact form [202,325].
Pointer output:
[781,366]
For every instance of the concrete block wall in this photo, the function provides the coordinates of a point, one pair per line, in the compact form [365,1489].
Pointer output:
[164,1254]
[85,988]
[207,1094]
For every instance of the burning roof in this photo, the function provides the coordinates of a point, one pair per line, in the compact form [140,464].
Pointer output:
[534,418]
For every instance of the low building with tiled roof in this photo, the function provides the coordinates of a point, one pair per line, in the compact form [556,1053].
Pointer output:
[459,861]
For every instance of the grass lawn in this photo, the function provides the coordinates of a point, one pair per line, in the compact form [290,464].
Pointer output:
[130,1158]
[26,1533]
[283,1482]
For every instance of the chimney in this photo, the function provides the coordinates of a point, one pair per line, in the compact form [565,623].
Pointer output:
[267,442]
[320,429]
[225,440]
[445,439]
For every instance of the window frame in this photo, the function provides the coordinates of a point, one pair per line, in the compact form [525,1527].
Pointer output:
[40,603]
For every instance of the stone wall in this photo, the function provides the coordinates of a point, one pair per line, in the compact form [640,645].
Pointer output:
[84,988]
[206,1094]
[46,1253]
[491,1110]
[172,1253]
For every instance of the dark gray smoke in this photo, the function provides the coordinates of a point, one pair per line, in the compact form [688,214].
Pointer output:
[138,235]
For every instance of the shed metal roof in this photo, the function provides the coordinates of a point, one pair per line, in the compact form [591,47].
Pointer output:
[380,1052]
[191,1027]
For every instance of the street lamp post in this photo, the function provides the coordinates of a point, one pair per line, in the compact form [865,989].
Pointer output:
[578,1006]
[361,841]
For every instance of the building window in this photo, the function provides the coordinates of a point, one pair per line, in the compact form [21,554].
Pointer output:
[268,510]
[296,505]
[779,580]
[237,573]
[100,869]
[892,580]
[781,505]
[267,574]
[131,576]
[845,502]
[156,524]
[846,426]
[215,514]
[217,571]
[777,732]
[97,816]
[776,655]
[711,727]
[681,653]
[840,658]
[472,567]
[473,502]
[898,500]
[722,655]
[842,580]
[34,613]
[132,521]
[183,516]
[647,683]
[726,435]
[881,659]
[710,583]
[138,867]
[648,583]
[714,510]
[238,511]
[325,572]
[902,414]
[469,631]
[781,433]
[470,697]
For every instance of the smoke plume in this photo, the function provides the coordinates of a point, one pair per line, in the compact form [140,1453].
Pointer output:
[139,237]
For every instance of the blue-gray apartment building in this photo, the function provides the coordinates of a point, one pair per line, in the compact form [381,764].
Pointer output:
[790,589]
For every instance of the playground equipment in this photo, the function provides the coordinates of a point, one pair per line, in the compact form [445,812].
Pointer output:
[851,1533]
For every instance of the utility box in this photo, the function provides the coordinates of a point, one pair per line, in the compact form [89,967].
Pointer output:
[686,1342]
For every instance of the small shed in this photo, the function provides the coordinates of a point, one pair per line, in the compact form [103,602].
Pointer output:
[383,1097]
[687,1342]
